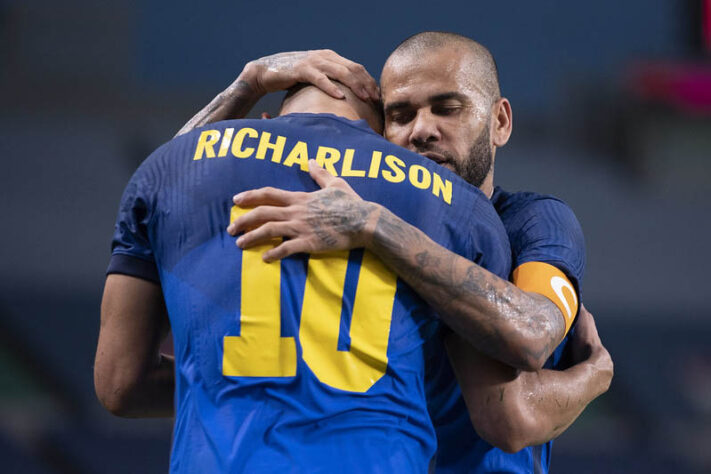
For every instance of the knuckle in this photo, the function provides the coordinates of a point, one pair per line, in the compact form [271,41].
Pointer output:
[251,217]
[250,66]
[271,228]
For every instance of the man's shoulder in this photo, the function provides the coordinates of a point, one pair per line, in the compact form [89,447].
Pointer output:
[510,203]
[524,210]
[541,228]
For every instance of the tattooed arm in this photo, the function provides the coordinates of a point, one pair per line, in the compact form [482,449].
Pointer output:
[513,409]
[503,322]
[509,408]
[234,102]
[280,72]
[518,328]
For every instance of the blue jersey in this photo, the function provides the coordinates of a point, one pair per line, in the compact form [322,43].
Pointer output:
[540,229]
[315,363]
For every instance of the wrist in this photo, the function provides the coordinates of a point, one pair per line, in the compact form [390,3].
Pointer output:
[247,83]
[370,229]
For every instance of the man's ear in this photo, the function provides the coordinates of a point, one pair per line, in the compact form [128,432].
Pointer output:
[266,115]
[502,118]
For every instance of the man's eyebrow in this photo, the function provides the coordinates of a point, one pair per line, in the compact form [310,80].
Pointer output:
[447,96]
[396,105]
[432,99]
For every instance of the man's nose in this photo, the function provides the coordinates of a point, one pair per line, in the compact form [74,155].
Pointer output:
[424,129]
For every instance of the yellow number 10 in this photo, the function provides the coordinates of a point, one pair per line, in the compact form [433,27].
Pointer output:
[260,351]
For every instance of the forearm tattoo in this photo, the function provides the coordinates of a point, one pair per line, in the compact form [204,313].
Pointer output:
[489,312]
[335,214]
[233,103]
[283,61]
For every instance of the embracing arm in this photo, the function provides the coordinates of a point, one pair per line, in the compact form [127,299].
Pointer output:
[516,327]
[505,323]
[512,409]
[234,102]
[131,377]
[280,72]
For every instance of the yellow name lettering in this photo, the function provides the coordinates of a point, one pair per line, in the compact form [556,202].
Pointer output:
[375,164]
[390,168]
[298,155]
[442,188]
[206,144]
[397,175]
[326,157]
[277,147]
[226,139]
[238,142]
[420,177]
[347,168]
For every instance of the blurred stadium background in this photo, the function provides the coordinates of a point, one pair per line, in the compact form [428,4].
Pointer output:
[612,113]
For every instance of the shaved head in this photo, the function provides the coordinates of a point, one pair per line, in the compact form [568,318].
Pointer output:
[480,61]
[304,97]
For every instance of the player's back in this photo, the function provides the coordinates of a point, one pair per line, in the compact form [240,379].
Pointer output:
[314,363]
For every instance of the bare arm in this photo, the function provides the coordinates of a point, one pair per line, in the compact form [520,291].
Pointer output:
[505,323]
[512,409]
[131,377]
[234,102]
[518,328]
[280,72]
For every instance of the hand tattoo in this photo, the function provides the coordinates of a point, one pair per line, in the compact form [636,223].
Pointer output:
[334,214]
[489,312]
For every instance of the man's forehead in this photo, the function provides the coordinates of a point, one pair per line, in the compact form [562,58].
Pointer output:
[442,70]
[429,87]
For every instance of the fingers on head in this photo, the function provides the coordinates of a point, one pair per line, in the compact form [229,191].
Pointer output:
[350,73]
[319,79]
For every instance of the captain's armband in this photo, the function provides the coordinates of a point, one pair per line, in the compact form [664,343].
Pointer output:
[549,281]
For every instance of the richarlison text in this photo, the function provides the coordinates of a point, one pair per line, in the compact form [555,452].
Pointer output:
[249,143]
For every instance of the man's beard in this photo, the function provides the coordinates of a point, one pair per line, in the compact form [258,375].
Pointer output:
[476,167]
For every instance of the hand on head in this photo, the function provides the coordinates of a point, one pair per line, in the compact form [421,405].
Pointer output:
[320,68]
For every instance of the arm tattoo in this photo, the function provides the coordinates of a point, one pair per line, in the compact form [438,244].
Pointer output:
[281,61]
[334,213]
[500,320]
[233,103]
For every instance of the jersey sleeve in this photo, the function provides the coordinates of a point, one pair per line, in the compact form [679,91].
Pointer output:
[131,252]
[548,232]
[549,253]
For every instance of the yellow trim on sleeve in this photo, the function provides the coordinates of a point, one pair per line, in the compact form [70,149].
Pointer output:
[547,280]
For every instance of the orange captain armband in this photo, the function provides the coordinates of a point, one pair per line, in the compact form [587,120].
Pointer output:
[547,280]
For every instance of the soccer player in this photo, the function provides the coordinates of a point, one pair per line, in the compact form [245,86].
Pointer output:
[442,99]
[311,364]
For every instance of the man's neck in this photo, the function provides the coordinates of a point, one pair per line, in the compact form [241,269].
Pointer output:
[344,110]
[311,100]
[487,186]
